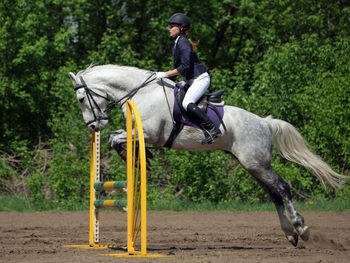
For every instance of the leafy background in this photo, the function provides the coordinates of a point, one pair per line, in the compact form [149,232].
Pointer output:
[286,58]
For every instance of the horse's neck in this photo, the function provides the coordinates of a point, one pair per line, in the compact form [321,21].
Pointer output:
[120,81]
[117,82]
[125,79]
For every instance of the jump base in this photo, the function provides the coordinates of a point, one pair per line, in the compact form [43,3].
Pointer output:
[92,247]
[136,255]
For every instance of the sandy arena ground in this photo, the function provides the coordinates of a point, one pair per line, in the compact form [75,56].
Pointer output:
[184,236]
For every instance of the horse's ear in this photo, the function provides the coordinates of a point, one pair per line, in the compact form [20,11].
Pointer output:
[72,77]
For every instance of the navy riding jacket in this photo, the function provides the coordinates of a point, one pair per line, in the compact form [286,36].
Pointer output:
[186,61]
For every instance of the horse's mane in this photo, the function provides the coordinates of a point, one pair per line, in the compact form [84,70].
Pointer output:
[110,71]
[93,67]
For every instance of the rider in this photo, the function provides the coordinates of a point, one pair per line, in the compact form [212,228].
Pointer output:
[195,74]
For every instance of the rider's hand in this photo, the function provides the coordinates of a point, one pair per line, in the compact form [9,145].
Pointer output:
[161,75]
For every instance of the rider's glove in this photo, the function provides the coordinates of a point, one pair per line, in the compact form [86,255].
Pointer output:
[161,75]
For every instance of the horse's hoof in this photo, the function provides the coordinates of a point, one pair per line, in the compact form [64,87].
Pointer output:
[293,239]
[305,233]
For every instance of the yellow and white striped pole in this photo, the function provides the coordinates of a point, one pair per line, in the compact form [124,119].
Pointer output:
[94,235]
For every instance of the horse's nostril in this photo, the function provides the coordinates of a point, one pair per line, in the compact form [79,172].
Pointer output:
[92,127]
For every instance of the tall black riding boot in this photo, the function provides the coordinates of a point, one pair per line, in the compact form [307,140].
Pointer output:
[199,117]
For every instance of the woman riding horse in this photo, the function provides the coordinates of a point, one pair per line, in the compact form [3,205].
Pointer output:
[195,74]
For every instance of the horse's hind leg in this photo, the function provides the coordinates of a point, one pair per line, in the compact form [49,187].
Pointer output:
[296,219]
[279,191]
[286,226]
[281,187]
[252,146]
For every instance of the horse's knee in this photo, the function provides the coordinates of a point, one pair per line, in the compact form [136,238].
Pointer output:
[117,138]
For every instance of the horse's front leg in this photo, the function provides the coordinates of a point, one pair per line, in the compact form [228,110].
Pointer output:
[117,140]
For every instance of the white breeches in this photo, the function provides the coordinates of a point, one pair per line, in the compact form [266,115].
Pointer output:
[197,88]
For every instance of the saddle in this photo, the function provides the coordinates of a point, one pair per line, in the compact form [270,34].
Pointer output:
[212,104]
[213,99]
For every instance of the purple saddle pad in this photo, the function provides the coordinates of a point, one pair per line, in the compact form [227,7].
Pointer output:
[210,112]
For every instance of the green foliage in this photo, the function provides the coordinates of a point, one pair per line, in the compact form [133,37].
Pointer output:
[286,58]
[303,82]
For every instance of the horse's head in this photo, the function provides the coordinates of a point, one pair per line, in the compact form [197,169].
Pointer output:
[92,101]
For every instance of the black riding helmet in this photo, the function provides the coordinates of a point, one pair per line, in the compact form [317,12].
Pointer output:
[180,20]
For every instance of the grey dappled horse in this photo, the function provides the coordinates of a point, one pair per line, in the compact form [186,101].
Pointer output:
[249,138]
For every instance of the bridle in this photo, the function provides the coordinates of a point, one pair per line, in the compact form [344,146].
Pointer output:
[89,94]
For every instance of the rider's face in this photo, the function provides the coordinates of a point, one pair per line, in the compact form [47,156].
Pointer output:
[174,30]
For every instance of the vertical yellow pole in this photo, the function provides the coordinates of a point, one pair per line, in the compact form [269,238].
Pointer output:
[136,183]
[143,200]
[132,172]
[130,178]
[92,192]
[143,193]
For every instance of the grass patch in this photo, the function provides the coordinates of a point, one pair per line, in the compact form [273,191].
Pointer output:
[324,205]
[14,203]
[185,205]
[22,204]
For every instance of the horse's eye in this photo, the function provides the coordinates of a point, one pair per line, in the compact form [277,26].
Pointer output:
[81,100]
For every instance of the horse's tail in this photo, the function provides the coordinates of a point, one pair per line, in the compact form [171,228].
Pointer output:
[292,146]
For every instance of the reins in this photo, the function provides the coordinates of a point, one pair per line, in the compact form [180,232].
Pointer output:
[130,94]
[167,101]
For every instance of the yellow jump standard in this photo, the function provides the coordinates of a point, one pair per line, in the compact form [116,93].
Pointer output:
[94,223]
[136,184]
[136,189]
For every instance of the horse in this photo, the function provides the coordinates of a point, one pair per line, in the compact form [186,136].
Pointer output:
[247,137]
